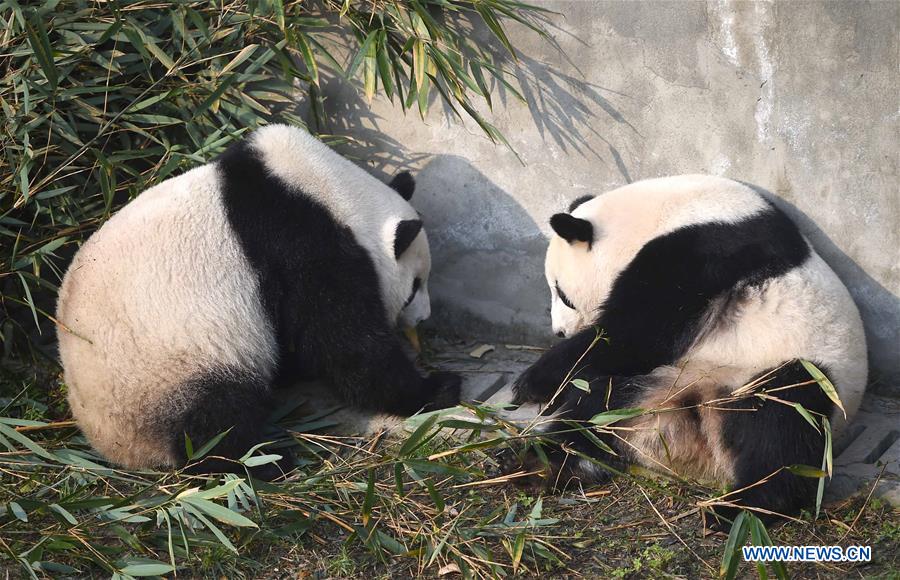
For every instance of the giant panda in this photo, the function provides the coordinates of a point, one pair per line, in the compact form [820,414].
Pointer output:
[278,261]
[695,299]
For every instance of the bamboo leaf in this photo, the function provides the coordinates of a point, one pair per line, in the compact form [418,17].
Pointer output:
[418,437]
[369,501]
[824,383]
[147,568]
[609,417]
[419,64]
[40,45]
[308,58]
[806,471]
[805,414]
[218,512]
[581,384]
[736,539]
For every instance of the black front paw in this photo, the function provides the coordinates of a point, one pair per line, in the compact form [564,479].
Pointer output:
[536,385]
[447,388]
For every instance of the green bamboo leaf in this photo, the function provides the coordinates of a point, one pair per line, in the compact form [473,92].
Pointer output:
[278,6]
[369,501]
[761,535]
[148,102]
[212,493]
[213,97]
[361,54]
[43,52]
[206,447]
[417,438]
[258,460]
[422,94]
[805,414]
[8,431]
[218,512]
[436,498]
[146,568]
[419,64]
[385,69]
[581,384]
[17,511]
[736,539]
[494,25]
[369,72]
[308,58]
[609,417]
[64,513]
[518,550]
[806,471]
[824,383]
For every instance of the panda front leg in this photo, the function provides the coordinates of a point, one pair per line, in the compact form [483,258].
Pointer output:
[570,447]
[376,374]
[568,359]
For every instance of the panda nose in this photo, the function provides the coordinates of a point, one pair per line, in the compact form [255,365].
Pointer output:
[561,334]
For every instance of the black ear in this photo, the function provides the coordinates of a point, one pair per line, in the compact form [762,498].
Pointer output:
[572,229]
[579,201]
[404,184]
[407,230]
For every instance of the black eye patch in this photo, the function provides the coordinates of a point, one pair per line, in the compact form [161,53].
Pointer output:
[416,284]
[563,297]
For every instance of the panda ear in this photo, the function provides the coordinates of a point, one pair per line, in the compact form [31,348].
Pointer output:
[572,229]
[407,230]
[579,201]
[404,184]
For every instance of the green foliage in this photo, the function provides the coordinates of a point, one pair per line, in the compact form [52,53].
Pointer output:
[64,510]
[104,99]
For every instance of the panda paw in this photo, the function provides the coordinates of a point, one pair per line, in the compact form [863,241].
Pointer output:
[556,471]
[535,385]
[447,388]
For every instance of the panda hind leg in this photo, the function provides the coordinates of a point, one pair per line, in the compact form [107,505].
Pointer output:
[218,401]
[767,436]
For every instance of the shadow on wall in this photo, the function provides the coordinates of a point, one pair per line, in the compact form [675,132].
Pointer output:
[878,306]
[488,255]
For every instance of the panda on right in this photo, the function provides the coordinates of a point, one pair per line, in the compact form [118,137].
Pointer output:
[696,300]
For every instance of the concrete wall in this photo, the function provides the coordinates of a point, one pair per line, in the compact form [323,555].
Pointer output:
[800,98]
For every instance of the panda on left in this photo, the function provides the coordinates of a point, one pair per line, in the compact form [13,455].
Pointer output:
[278,261]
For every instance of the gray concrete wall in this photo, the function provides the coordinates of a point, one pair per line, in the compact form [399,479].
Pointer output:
[800,98]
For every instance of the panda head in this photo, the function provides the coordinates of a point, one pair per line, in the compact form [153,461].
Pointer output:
[575,280]
[407,300]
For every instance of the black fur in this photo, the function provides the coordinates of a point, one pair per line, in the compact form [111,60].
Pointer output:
[774,435]
[320,291]
[407,230]
[211,404]
[572,229]
[579,201]
[655,308]
[676,284]
[404,184]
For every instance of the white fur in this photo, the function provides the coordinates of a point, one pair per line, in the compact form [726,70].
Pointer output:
[807,313]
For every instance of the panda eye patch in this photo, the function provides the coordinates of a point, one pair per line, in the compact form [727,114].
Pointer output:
[563,297]
[416,284]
